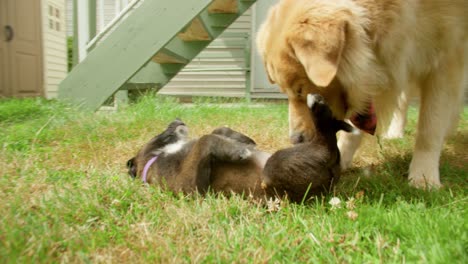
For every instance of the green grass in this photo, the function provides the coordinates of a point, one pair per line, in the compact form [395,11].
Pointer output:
[65,195]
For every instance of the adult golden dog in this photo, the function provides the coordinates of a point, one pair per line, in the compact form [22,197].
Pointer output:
[370,54]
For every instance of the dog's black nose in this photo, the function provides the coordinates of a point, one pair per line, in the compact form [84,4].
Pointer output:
[297,138]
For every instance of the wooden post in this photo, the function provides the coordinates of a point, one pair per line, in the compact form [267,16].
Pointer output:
[82,34]
[117,7]
[101,15]
[75,33]
[92,18]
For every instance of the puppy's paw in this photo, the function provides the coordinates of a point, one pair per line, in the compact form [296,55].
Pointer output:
[314,99]
[245,154]
[239,154]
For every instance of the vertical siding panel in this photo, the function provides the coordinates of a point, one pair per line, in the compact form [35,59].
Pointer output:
[69,17]
[54,45]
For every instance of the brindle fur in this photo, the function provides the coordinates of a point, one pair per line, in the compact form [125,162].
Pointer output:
[198,164]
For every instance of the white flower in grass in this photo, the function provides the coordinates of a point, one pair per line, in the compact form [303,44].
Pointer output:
[273,205]
[335,202]
[352,215]
[116,202]
[351,203]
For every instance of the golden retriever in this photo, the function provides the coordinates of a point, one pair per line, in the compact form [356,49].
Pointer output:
[369,54]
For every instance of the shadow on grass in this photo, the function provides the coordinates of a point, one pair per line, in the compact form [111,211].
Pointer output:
[387,182]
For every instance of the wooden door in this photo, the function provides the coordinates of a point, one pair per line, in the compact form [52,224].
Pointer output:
[23,65]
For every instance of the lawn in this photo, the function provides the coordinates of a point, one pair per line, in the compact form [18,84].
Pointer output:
[65,195]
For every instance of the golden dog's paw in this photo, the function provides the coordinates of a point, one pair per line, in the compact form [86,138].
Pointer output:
[425,184]
[424,170]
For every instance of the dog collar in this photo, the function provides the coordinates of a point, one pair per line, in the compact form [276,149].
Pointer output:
[366,122]
[147,166]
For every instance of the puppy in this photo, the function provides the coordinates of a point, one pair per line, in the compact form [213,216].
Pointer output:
[226,161]
[365,57]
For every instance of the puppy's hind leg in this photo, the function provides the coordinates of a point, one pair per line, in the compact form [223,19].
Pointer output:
[196,169]
[232,134]
[225,149]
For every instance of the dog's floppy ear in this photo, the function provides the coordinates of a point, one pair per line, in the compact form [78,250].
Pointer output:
[319,51]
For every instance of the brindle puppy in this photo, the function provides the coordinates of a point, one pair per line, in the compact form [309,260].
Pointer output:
[226,161]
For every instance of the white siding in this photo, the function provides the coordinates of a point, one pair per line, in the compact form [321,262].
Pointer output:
[111,9]
[54,44]
[69,17]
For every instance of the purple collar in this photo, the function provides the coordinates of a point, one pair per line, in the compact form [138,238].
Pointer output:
[147,166]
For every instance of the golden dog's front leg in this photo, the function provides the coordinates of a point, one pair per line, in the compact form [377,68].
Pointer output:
[440,105]
[301,127]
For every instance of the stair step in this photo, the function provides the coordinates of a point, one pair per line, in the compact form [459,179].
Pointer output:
[219,20]
[196,31]
[163,57]
[224,7]
[187,50]
[150,73]
[141,86]
[172,68]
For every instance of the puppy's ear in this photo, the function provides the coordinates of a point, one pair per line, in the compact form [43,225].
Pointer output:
[319,50]
[131,167]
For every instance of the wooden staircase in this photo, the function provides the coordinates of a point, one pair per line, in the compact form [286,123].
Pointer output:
[148,48]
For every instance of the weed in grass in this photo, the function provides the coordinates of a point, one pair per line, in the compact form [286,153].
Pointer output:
[66,197]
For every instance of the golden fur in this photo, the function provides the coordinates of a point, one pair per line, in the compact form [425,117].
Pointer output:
[354,52]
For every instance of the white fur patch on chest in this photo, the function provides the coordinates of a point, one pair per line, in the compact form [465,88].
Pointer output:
[174,147]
